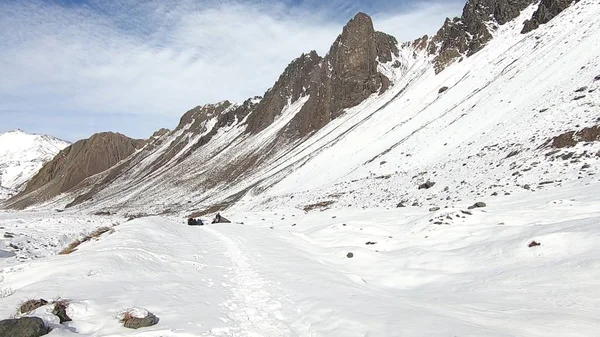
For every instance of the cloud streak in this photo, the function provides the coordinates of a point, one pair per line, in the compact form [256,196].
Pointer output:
[156,60]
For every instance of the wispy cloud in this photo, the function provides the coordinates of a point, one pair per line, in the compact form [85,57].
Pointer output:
[155,60]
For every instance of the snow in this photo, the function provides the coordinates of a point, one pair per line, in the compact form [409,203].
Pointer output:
[278,270]
[285,272]
[21,157]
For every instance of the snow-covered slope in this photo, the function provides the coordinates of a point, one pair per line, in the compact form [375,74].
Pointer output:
[489,133]
[286,273]
[21,157]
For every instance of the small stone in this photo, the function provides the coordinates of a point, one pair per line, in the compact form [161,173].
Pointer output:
[534,244]
[434,208]
[350,255]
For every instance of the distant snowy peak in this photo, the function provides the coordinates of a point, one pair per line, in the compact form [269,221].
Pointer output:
[22,155]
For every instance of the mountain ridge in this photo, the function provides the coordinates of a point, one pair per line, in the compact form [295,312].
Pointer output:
[222,153]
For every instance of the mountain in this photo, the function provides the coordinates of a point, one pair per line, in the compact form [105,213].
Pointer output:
[21,156]
[475,110]
[74,164]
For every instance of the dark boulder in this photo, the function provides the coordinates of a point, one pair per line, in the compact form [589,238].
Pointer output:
[533,244]
[478,205]
[220,219]
[60,310]
[426,185]
[442,89]
[24,327]
[350,255]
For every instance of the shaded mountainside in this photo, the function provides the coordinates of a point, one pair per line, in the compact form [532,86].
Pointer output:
[74,164]
[368,112]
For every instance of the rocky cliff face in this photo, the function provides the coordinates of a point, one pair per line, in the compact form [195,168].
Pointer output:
[546,11]
[347,75]
[74,164]
[464,36]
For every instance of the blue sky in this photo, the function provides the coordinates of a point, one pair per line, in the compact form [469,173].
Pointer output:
[71,68]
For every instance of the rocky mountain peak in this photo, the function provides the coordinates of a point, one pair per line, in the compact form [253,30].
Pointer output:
[464,36]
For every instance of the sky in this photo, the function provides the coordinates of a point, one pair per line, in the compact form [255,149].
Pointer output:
[70,68]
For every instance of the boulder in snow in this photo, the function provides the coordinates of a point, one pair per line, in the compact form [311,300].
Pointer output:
[31,305]
[138,318]
[426,185]
[60,310]
[350,255]
[533,244]
[478,204]
[24,327]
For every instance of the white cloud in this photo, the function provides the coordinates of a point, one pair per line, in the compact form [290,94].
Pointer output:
[162,58]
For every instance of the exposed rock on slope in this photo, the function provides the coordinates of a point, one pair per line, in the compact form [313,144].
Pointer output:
[345,77]
[75,163]
[314,91]
[547,10]
[464,36]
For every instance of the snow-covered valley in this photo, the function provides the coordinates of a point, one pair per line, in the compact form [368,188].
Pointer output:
[460,203]
[450,272]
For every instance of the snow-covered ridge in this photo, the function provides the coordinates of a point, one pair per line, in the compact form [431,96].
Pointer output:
[22,155]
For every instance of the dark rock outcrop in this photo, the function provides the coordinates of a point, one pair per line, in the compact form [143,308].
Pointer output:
[464,36]
[571,138]
[546,11]
[345,77]
[24,327]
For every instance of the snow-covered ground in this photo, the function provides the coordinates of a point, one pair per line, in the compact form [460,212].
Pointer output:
[286,272]
[21,157]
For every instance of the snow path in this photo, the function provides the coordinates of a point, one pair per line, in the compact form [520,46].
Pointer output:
[256,310]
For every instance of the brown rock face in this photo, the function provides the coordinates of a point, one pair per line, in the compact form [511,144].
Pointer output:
[291,85]
[466,35]
[571,138]
[545,12]
[347,75]
[74,164]
[342,79]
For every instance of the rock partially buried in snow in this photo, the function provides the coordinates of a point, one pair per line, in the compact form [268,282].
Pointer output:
[350,255]
[478,204]
[138,318]
[426,185]
[31,305]
[434,208]
[23,327]
[60,310]
[534,244]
